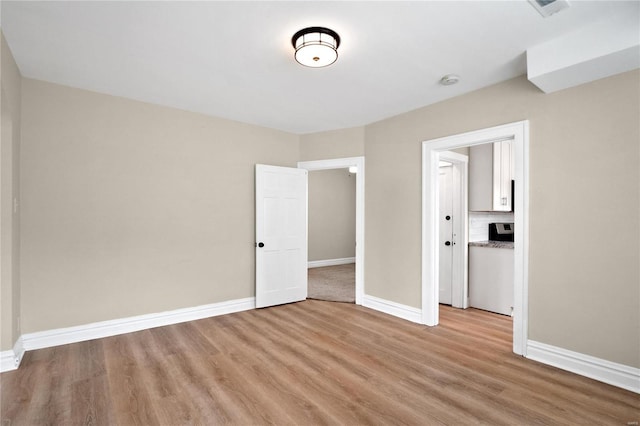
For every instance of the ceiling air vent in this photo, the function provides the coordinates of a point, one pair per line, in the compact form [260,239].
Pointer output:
[547,8]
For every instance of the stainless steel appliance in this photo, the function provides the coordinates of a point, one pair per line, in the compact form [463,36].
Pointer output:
[501,232]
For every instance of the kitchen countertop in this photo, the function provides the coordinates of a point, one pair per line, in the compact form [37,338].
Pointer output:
[492,244]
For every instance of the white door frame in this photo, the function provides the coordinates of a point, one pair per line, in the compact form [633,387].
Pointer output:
[459,273]
[341,163]
[518,132]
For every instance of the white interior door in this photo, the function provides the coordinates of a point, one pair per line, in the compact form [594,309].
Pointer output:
[281,235]
[446,233]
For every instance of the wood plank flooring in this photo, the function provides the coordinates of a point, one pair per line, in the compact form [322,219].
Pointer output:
[308,363]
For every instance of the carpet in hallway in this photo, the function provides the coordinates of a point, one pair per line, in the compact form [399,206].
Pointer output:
[333,283]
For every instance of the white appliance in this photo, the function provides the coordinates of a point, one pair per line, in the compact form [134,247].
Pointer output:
[491,278]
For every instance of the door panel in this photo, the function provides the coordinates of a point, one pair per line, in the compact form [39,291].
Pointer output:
[446,234]
[281,235]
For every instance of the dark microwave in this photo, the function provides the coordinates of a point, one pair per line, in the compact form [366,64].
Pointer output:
[501,232]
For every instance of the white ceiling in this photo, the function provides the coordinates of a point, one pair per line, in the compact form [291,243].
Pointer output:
[235,60]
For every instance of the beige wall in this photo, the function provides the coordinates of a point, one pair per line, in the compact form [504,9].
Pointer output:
[332,214]
[333,144]
[131,208]
[10,89]
[584,290]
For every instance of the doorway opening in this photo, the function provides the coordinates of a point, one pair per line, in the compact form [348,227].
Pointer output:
[331,227]
[518,133]
[359,174]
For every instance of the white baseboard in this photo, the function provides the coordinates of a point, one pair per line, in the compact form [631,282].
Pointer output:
[7,361]
[330,262]
[10,360]
[97,330]
[599,369]
[408,313]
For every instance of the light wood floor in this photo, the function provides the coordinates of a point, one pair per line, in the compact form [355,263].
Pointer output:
[307,363]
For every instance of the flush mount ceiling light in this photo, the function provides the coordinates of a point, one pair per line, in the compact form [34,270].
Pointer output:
[316,46]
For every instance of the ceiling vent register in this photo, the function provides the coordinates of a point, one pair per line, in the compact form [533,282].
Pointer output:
[547,8]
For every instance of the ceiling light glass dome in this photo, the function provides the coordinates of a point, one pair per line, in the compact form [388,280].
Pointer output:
[316,47]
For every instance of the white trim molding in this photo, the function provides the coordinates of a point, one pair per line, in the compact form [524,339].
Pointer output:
[330,262]
[399,310]
[615,374]
[11,359]
[97,330]
[7,361]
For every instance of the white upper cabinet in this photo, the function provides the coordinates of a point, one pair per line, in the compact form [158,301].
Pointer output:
[490,175]
[502,175]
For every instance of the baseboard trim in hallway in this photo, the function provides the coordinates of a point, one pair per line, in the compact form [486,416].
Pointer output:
[330,262]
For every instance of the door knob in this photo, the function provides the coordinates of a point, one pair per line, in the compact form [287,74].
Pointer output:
[447,243]
[447,217]
[260,245]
